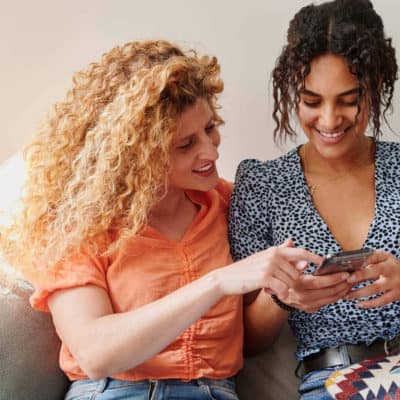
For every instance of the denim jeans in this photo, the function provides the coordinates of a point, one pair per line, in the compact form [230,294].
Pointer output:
[171,389]
[312,385]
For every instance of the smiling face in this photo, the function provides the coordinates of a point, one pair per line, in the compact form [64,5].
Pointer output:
[328,108]
[194,150]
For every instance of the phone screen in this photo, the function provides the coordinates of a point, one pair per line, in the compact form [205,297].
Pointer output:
[344,261]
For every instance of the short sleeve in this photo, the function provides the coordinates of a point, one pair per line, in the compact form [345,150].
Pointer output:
[249,227]
[76,271]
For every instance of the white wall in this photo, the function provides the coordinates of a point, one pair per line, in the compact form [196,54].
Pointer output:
[44,41]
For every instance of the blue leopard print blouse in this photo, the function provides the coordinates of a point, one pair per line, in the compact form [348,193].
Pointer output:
[271,202]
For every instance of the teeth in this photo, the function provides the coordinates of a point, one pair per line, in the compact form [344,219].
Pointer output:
[332,134]
[205,168]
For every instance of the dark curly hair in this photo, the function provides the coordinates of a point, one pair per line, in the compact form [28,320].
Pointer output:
[348,28]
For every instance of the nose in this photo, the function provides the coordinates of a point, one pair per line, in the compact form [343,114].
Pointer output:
[209,146]
[330,117]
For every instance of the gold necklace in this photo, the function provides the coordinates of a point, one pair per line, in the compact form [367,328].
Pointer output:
[313,187]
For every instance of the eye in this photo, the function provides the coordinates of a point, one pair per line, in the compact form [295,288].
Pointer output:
[210,127]
[186,145]
[312,104]
[350,103]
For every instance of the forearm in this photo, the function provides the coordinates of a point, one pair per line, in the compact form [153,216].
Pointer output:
[263,320]
[117,342]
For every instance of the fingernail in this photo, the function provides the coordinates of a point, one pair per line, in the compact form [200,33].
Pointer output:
[352,279]
[345,275]
[303,264]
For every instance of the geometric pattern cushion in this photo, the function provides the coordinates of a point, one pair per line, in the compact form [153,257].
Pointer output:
[375,379]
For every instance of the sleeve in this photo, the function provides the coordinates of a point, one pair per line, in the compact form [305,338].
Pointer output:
[76,271]
[248,224]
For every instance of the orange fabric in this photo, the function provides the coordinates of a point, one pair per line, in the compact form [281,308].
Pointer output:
[147,267]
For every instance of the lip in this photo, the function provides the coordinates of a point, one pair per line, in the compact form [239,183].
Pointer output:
[331,137]
[206,172]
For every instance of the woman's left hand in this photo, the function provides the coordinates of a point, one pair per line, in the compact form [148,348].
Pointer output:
[384,270]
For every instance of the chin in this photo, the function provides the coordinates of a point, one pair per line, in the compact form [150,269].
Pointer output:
[209,185]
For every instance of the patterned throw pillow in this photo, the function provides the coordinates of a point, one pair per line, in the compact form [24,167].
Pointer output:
[375,379]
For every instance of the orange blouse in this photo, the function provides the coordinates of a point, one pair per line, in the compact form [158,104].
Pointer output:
[147,267]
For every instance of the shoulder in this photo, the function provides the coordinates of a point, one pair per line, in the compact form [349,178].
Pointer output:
[388,150]
[265,173]
[224,189]
[219,196]
[388,153]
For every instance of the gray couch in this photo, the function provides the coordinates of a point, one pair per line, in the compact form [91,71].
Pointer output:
[29,355]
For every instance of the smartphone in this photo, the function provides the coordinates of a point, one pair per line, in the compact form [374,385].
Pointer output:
[344,261]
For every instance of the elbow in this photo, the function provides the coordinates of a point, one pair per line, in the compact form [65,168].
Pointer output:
[251,349]
[95,375]
[95,372]
[92,365]
[256,342]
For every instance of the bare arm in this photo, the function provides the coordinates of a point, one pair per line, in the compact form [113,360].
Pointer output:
[107,343]
[263,320]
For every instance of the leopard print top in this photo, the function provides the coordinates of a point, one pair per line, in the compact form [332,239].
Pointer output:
[271,202]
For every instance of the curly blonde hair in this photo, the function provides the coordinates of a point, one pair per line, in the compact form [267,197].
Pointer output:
[99,162]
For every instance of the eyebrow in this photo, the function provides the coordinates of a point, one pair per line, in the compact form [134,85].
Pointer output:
[190,135]
[307,92]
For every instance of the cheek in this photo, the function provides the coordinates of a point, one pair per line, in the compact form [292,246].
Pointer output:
[306,116]
[178,165]
[362,119]
[216,139]
[351,115]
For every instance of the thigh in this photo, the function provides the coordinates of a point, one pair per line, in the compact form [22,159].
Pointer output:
[313,385]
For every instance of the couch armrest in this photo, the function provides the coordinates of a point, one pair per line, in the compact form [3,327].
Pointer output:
[29,348]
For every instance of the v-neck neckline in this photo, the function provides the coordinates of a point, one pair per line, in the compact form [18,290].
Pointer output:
[308,196]
[155,233]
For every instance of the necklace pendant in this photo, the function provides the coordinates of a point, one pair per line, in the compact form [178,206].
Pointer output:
[312,189]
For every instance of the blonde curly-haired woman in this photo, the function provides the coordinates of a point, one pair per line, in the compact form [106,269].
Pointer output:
[124,233]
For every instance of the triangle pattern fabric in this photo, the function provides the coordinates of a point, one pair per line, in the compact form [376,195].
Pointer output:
[375,379]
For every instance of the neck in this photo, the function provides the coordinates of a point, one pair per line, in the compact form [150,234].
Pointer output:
[316,164]
[171,204]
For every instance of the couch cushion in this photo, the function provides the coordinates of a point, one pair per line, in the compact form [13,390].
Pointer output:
[29,348]
[270,375]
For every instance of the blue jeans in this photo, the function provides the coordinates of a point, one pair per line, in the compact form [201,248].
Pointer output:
[312,385]
[171,389]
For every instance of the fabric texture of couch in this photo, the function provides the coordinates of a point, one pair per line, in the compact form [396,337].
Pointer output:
[29,348]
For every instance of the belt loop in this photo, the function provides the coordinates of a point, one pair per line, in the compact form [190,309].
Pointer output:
[297,370]
[385,347]
[102,385]
[344,354]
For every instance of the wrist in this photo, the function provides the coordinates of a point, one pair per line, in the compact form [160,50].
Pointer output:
[215,282]
[281,304]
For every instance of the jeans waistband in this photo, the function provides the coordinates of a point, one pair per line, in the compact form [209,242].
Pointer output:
[99,386]
[347,354]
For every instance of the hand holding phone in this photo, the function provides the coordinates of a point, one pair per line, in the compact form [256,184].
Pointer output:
[348,261]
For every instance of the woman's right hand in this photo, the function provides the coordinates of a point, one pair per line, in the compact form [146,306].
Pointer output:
[309,293]
[276,269]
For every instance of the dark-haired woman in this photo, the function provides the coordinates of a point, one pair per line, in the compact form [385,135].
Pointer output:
[339,191]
